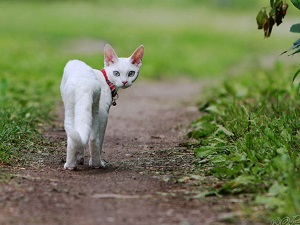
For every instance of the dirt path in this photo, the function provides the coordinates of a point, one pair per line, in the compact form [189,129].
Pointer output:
[145,183]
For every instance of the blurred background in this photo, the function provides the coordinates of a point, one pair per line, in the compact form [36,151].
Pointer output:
[182,38]
[211,40]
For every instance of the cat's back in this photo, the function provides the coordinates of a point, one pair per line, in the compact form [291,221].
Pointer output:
[78,68]
[78,74]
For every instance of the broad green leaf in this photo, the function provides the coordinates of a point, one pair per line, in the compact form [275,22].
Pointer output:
[204,151]
[261,18]
[295,28]
[296,3]
[219,159]
[272,3]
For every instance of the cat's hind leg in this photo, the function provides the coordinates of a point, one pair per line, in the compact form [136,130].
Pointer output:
[73,146]
[78,134]
[73,138]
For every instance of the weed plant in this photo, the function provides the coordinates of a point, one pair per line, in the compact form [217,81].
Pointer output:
[23,111]
[39,37]
[249,138]
[191,38]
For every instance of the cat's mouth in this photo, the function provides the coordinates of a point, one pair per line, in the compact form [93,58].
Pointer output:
[125,86]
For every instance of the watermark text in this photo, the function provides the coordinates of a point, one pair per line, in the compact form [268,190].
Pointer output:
[288,220]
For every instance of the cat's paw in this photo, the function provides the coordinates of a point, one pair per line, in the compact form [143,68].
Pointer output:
[99,164]
[103,163]
[69,167]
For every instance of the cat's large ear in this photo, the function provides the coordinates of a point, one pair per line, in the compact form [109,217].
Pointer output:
[110,56]
[136,57]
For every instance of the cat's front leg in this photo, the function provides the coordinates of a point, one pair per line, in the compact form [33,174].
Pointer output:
[96,160]
[95,154]
[97,136]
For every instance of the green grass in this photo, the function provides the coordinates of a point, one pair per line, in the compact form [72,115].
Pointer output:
[181,38]
[37,39]
[184,38]
[23,111]
[249,139]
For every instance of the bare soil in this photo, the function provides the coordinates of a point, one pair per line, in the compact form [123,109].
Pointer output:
[148,180]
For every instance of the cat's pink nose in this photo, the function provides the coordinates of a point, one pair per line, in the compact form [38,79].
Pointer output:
[124,82]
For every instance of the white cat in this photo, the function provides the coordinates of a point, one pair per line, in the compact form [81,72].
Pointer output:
[87,95]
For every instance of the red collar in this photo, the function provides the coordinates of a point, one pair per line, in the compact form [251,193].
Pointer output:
[110,84]
[112,88]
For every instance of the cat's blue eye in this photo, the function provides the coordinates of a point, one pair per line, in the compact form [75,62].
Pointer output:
[131,73]
[116,73]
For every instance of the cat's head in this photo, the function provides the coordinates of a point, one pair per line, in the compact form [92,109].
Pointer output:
[122,72]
